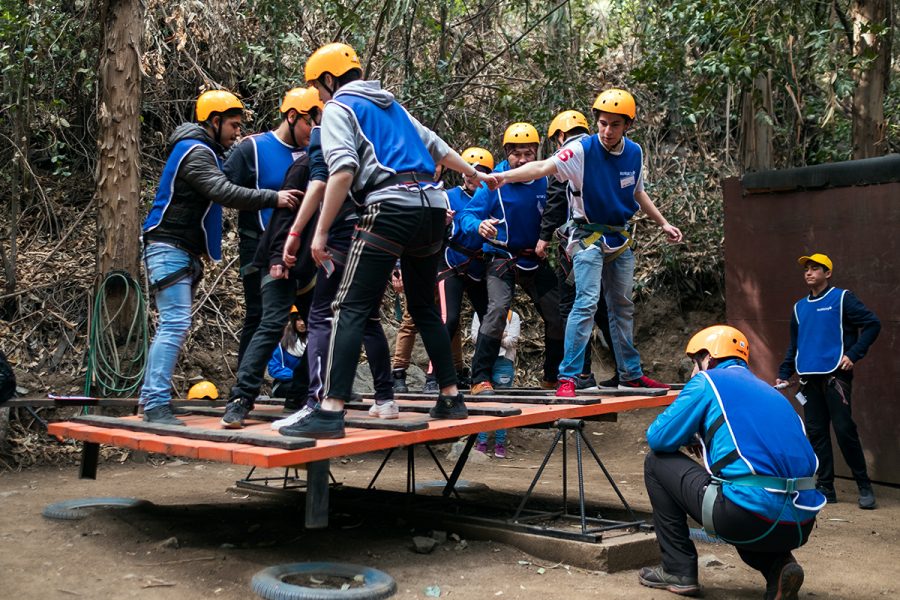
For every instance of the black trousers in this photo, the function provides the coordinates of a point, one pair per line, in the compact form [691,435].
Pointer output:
[567,299]
[296,388]
[676,484]
[828,404]
[450,292]
[251,279]
[540,286]
[319,325]
[367,272]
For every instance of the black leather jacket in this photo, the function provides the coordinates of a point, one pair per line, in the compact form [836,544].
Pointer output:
[199,181]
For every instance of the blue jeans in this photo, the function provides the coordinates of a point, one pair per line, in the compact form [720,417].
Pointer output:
[617,278]
[499,437]
[504,372]
[174,306]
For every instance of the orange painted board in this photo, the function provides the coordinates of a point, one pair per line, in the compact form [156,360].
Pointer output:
[357,441]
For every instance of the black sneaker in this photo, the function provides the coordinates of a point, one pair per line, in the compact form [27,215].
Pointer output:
[292,405]
[612,382]
[866,498]
[162,415]
[828,492]
[236,411]
[657,578]
[586,383]
[786,584]
[449,407]
[400,386]
[319,424]
[431,385]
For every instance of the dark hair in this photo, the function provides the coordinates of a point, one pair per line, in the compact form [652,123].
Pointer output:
[576,131]
[342,80]
[314,113]
[628,120]
[290,335]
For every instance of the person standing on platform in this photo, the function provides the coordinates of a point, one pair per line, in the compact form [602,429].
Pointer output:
[568,128]
[755,489]
[377,151]
[509,222]
[607,170]
[183,226]
[260,161]
[831,331]
[281,286]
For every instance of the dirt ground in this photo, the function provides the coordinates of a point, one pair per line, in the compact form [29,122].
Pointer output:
[224,537]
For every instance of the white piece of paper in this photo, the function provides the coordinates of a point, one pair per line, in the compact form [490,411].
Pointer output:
[801,398]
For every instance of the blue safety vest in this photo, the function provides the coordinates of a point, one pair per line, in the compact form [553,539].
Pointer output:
[212,218]
[273,159]
[750,429]
[609,184]
[820,334]
[393,136]
[459,199]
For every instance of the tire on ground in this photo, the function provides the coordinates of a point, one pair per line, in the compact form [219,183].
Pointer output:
[79,508]
[269,583]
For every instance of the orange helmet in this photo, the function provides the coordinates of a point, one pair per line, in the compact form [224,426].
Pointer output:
[215,101]
[205,390]
[566,121]
[334,58]
[721,341]
[616,101]
[478,157]
[302,100]
[521,133]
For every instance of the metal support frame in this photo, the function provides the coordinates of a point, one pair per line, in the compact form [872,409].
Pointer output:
[411,468]
[575,426]
[90,457]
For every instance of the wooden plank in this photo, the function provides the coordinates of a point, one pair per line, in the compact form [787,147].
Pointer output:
[423,407]
[64,401]
[193,433]
[352,419]
[506,399]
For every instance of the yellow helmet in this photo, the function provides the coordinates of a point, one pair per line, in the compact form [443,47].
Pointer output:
[720,341]
[302,100]
[478,157]
[566,121]
[521,133]
[334,58]
[204,390]
[215,101]
[616,101]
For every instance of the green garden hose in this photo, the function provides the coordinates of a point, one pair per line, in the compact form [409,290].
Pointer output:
[116,355]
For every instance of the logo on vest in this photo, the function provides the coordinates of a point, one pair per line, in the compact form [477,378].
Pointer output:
[626,178]
[823,308]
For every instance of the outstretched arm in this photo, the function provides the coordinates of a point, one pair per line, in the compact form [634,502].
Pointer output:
[673,233]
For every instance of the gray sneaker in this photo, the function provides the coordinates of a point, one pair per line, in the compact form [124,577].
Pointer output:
[162,415]
[657,578]
[388,410]
[235,413]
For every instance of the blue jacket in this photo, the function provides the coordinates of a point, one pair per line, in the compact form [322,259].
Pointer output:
[282,364]
[745,427]
[519,208]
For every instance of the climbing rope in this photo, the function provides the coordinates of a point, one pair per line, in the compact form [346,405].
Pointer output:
[116,356]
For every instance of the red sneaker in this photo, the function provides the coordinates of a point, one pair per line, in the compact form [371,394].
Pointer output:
[566,389]
[643,382]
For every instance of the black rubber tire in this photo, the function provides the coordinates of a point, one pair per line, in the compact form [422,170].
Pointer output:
[269,583]
[79,508]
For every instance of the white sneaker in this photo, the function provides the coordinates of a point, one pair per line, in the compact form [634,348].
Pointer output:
[292,419]
[388,410]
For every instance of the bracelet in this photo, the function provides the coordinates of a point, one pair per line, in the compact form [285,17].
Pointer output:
[294,233]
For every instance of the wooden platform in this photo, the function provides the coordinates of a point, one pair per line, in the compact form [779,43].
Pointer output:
[358,441]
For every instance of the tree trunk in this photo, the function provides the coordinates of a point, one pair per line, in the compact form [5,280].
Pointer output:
[756,125]
[872,48]
[118,174]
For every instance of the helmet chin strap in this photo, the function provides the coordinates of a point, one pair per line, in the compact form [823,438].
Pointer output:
[216,130]
[291,129]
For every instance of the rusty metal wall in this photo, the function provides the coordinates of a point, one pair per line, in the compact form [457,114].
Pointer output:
[859,228]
